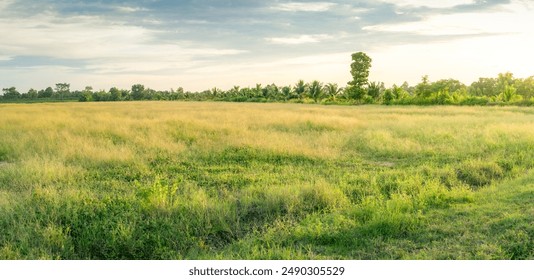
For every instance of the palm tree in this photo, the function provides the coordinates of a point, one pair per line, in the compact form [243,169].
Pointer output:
[375,89]
[215,92]
[509,94]
[234,92]
[300,89]
[316,90]
[287,93]
[333,90]
[258,91]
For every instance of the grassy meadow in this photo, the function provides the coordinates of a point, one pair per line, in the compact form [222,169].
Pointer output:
[187,180]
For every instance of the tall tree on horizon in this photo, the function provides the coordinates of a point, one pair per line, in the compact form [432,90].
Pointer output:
[359,69]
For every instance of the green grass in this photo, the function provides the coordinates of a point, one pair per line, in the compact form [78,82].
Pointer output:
[173,180]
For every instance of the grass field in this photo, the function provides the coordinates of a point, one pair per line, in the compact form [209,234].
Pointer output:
[185,180]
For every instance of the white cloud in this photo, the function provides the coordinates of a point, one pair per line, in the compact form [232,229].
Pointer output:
[58,68]
[512,20]
[201,22]
[5,4]
[128,9]
[356,10]
[157,58]
[304,7]
[429,3]
[298,40]
[433,27]
[114,53]
[105,46]
[152,21]
[504,43]
[325,67]
[79,37]
[466,59]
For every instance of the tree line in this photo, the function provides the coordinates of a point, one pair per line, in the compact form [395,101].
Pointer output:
[503,89]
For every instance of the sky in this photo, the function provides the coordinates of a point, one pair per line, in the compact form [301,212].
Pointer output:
[203,44]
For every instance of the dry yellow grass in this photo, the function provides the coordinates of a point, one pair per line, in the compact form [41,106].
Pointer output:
[40,138]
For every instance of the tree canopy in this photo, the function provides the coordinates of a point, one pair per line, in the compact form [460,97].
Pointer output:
[359,69]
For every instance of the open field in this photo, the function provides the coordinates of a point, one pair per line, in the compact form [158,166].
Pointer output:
[186,180]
